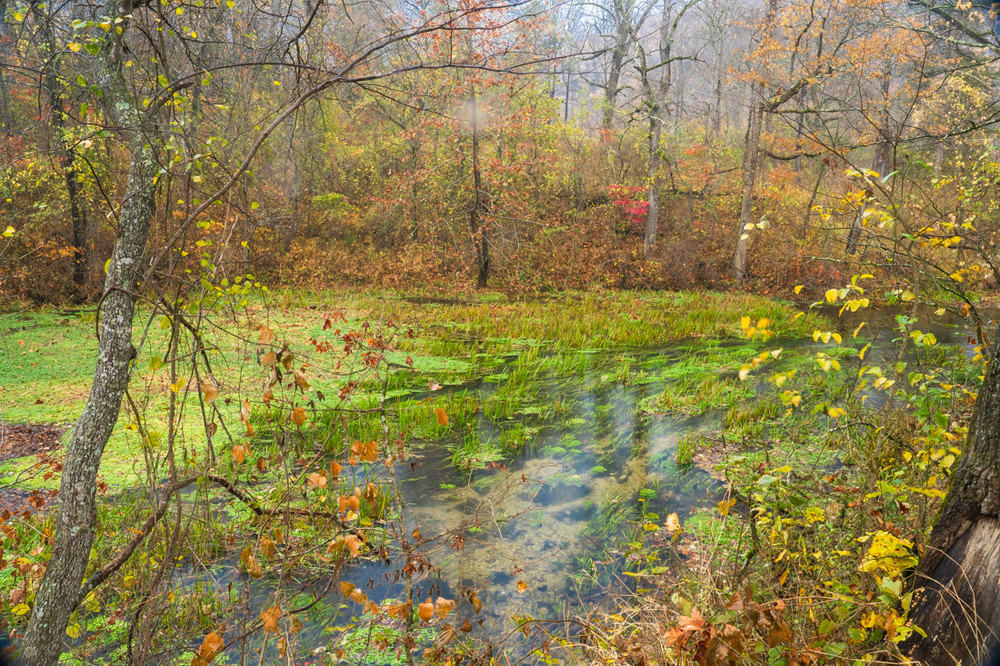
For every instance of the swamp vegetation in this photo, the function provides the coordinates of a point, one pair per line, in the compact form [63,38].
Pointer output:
[348,478]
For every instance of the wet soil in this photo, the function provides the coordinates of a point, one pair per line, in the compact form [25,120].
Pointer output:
[18,441]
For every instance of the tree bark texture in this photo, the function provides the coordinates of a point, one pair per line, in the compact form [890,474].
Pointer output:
[479,238]
[751,149]
[751,159]
[957,598]
[46,633]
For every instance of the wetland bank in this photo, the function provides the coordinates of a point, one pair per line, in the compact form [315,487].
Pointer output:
[377,479]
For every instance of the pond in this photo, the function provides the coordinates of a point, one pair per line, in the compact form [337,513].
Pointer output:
[521,509]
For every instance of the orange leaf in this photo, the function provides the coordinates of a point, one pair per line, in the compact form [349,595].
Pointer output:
[353,544]
[208,392]
[210,648]
[443,607]
[270,619]
[426,610]
[239,453]
[442,417]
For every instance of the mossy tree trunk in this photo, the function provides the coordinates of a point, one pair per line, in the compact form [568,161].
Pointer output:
[957,601]
[55,601]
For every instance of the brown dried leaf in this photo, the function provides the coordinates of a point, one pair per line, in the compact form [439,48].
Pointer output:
[268,359]
[253,568]
[270,619]
[209,392]
[346,588]
[239,453]
[694,622]
[265,336]
[301,381]
[442,416]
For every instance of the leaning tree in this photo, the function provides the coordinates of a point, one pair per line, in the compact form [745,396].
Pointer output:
[177,91]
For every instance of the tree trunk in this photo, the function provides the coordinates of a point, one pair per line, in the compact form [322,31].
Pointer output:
[67,156]
[623,30]
[957,600]
[5,120]
[881,164]
[751,148]
[479,238]
[46,633]
[653,213]
[751,158]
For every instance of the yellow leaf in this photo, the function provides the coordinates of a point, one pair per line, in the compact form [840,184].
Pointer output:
[673,523]
[831,295]
[73,631]
[744,322]
[798,288]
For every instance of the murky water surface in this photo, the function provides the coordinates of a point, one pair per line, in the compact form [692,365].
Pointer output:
[538,532]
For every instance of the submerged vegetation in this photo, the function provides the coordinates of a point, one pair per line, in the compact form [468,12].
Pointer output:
[746,485]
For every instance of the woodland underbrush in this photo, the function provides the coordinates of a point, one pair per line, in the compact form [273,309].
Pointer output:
[830,483]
